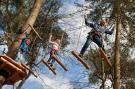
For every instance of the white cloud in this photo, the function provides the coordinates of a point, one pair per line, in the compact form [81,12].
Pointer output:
[44,82]
[3,48]
[47,83]
[67,9]
[76,28]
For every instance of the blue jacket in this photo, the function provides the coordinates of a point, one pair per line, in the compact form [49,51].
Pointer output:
[97,29]
[24,47]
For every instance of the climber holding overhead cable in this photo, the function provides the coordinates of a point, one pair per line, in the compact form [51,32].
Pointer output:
[54,49]
[24,47]
[95,35]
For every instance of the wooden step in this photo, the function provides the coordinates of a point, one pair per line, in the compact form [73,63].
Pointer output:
[16,71]
[50,68]
[59,62]
[80,60]
[104,57]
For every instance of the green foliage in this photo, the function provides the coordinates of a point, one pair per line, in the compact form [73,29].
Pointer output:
[93,79]
[95,60]
[127,74]
[47,23]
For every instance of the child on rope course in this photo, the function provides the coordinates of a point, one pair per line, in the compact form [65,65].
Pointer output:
[24,41]
[55,48]
[95,34]
[24,46]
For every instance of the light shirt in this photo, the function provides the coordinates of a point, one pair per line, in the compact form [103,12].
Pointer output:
[55,46]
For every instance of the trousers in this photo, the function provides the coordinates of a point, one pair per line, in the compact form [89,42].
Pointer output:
[51,60]
[96,39]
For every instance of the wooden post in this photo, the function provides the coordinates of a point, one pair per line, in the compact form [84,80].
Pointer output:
[104,56]
[35,31]
[12,62]
[80,59]
[58,61]
[16,72]
[12,66]
[50,68]
[117,75]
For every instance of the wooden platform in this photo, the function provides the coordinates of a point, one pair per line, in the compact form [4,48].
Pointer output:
[59,62]
[104,57]
[80,60]
[15,71]
[50,68]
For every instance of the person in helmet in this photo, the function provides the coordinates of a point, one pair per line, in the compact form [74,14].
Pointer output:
[95,34]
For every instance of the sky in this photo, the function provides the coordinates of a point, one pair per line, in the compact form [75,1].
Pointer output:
[74,25]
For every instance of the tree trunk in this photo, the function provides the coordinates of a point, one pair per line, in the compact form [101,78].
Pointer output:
[31,20]
[117,46]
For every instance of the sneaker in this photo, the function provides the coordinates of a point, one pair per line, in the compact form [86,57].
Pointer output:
[52,67]
[48,62]
[51,64]
[80,55]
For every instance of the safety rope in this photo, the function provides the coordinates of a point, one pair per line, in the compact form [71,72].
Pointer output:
[79,38]
[78,41]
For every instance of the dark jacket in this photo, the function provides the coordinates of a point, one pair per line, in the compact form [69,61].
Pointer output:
[97,29]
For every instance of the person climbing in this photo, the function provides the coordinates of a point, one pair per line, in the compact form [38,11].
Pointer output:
[24,46]
[95,34]
[55,48]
